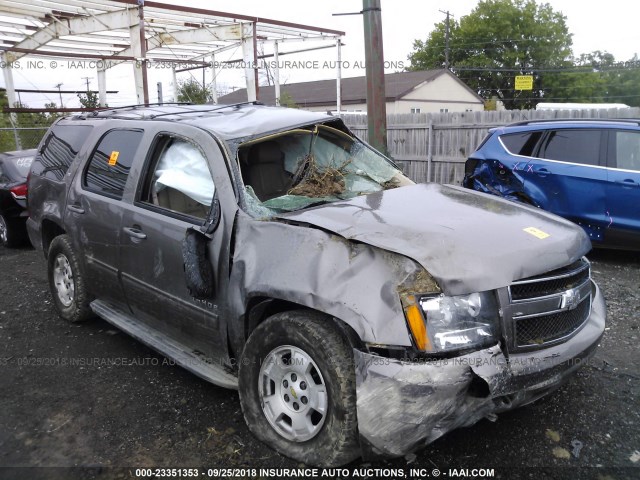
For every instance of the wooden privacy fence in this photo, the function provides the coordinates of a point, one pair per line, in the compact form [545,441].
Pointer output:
[432,147]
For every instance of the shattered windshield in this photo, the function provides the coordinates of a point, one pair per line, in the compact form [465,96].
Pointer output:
[310,166]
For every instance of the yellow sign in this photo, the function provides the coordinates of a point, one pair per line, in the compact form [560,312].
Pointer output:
[113,159]
[536,232]
[524,82]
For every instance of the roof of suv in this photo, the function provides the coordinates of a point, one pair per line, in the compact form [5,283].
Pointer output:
[566,122]
[227,121]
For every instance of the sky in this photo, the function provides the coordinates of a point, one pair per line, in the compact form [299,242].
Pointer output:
[595,25]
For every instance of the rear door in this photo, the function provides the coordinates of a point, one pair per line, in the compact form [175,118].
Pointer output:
[568,175]
[174,193]
[94,209]
[623,189]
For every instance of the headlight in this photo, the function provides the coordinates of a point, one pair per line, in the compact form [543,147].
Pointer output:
[444,324]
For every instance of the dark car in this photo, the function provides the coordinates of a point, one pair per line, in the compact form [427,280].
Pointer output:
[587,171]
[269,250]
[14,169]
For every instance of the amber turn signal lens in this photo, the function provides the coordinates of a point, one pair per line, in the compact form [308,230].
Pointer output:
[417,326]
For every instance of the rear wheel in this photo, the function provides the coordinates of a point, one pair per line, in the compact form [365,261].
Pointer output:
[66,281]
[297,388]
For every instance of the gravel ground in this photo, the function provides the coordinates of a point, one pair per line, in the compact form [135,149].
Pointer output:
[146,413]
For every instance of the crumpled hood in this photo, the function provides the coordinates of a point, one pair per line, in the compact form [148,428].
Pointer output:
[468,241]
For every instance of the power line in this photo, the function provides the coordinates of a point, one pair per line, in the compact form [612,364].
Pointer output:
[532,70]
[490,41]
[564,99]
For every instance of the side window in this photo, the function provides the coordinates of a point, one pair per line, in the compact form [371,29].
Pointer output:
[521,143]
[110,163]
[179,179]
[628,150]
[59,150]
[575,146]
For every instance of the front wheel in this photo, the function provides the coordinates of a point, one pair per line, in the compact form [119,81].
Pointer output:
[297,388]
[66,281]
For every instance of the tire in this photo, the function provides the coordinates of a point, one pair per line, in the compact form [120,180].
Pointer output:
[324,439]
[11,233]
[67,282]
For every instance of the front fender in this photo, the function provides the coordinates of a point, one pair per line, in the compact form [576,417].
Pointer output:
[354,282]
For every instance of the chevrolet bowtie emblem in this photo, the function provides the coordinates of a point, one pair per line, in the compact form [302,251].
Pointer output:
[570,299]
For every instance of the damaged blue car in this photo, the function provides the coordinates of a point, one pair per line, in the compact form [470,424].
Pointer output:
[587,171]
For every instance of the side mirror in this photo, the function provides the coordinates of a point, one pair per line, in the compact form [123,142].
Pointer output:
[198,271]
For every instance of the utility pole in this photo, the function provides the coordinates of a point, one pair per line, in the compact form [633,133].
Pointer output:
[86,79]
[374,58]
[60,94]
[447,32]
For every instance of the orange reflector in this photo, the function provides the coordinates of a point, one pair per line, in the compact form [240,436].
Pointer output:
[418,328]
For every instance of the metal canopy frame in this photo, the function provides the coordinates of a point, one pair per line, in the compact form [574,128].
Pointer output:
[139,32]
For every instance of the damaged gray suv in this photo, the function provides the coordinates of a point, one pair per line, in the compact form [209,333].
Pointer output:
[270,251]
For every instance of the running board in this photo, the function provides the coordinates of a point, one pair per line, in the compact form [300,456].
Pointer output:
[178,352]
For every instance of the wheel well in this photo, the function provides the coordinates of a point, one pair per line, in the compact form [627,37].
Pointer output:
[261,308]
[50,230]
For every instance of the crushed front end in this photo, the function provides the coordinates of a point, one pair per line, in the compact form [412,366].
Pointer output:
[548,326]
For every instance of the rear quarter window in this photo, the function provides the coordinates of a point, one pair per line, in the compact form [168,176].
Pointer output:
[522,143]
[60,148]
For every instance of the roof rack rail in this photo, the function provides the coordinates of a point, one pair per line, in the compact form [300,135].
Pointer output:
[633,121]
[139,105]
[219,107]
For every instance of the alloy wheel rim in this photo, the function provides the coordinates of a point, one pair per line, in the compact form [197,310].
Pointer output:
[3,230]
[63,280]
[293,393]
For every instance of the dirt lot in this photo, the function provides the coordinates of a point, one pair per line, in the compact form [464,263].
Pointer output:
[142,412]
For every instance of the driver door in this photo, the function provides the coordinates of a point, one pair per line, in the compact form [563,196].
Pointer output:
[174,194]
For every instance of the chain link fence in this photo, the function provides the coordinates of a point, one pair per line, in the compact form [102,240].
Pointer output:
[20,138]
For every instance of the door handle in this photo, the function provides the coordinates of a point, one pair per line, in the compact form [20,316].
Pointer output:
[543,172]
[76,209]
[135,233]
[627,183]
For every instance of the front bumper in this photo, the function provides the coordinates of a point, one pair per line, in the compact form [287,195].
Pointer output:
[403,405]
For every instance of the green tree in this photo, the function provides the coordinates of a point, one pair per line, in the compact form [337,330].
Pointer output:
[89,99]
[191,91]
[7,141]
[30,126]
[595,78]
[497,41]
[286,100]
[622,83]
[585,82]
[33,125]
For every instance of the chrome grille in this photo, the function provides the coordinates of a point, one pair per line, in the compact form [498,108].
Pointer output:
[547,309]
[547,328]
[562,280]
